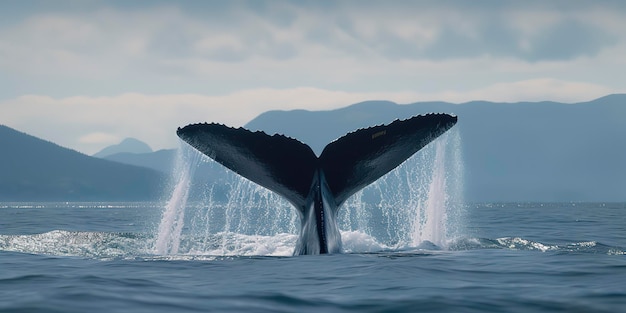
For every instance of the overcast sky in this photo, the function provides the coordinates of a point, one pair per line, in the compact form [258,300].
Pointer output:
[86,74]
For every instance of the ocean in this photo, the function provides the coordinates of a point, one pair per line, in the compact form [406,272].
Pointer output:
[517,257]
[410,244]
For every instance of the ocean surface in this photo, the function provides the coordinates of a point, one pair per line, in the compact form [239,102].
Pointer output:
[512,257]
[410,244]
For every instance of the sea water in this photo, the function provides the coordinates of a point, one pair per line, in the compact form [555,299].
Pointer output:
[516,257]
[411,244]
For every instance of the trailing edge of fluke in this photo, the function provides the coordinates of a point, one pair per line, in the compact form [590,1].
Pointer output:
[316,186]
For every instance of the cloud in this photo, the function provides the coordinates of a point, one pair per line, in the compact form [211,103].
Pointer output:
[83,75]
[207,48]
[540,89]
[111,40]
[98,139]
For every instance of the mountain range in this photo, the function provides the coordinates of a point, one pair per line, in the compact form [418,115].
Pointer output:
[33,169]
[128,145]
[526,151]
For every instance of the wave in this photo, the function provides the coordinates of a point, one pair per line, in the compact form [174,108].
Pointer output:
[74,243]
[517,243]
[105,245]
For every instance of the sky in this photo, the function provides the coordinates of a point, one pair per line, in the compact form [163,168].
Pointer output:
[86,74]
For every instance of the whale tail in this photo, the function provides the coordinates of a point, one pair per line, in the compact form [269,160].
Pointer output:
[288,166]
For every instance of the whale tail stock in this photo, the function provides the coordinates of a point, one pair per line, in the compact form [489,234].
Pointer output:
[291,169]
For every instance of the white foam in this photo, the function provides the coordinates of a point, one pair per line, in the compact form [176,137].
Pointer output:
[517,243]
[233,244]
[360,242]
[172,222]
[420,201]
[432,229]
[70,243]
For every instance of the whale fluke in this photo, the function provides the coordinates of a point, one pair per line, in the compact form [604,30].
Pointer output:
[316,186]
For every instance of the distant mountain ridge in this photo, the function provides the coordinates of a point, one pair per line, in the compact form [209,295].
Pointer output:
[33,169]
[526,151]
[128,145]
